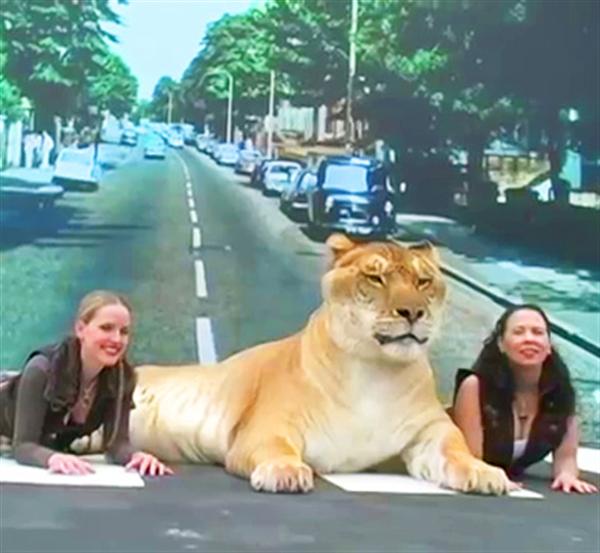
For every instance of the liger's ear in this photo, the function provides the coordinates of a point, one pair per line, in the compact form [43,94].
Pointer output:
[427,250]
[339,244]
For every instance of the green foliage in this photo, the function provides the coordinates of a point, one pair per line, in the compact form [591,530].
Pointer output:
[55,49]
[160,99]
[10,95]
[429,72]
[113,87]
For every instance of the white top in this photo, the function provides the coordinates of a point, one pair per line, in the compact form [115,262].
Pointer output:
[519,448]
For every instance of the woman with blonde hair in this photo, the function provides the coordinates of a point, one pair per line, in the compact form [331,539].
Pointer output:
[69,389]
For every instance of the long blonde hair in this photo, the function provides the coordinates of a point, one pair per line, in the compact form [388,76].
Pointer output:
[97,299]
[90,304]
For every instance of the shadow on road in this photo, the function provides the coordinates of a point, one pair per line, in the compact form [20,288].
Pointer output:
[482,250]
[61,226]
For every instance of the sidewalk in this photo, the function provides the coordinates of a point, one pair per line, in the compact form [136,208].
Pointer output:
[570,296]
[110,156]
[25,177]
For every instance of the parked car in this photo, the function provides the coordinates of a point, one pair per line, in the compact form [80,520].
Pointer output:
[293,200]
[258,172]
[154,147]
[129,137]
[278,176]
[247,161]
[226,154]
[210,147]
[175,140]
[202,142]
[76,169]
[353,195]
[19,197]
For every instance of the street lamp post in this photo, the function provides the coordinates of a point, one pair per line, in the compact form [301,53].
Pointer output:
[229,98]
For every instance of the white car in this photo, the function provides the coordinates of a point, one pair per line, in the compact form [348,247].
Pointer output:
[226,154]
[175,140]
[247,161]
[279,175]
[76,169]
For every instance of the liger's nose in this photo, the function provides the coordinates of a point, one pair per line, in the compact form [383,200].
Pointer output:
[412,315]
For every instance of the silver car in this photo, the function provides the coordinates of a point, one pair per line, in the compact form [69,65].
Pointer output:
[278,176]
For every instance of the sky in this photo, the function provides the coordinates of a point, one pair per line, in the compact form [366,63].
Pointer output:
[161,37]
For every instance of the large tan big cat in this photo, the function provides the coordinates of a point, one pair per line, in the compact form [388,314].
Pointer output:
[350,390]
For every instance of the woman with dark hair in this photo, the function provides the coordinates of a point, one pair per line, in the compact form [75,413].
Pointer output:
[517,404]
[69,389]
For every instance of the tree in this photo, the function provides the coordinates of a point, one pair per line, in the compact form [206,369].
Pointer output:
[10,95]
[52,47]
[113,87]
[160,98]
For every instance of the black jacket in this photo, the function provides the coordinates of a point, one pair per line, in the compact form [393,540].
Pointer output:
[547,430]
[45,392]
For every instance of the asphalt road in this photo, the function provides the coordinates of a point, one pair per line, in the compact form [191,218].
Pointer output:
[204,509]
[135,234]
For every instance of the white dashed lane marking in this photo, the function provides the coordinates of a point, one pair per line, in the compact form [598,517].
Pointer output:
[201,291]
[196,238]
[205,341]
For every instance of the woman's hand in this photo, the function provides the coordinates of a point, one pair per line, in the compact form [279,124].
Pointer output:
[566,482]
[145,463]
[63,463]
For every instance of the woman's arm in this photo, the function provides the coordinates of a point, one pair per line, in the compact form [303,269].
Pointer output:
[564,462]
[120,450]
[30,411]
[467,414]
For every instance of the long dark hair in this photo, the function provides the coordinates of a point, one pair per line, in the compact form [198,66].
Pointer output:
[493,367]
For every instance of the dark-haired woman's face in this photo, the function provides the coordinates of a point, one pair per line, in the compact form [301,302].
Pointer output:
[525,340]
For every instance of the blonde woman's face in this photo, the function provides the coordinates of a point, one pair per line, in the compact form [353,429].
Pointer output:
[526,341]
[105,337]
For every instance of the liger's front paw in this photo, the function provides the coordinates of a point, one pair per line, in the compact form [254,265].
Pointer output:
[282,476]
[475,476]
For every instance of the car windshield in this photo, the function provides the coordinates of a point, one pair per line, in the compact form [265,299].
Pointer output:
[353,178]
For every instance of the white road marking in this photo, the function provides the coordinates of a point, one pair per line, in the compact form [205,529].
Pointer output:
[184,166]
[201,290]
[196,238]
[190,194]
[191,203]
[205,341]
[193,217]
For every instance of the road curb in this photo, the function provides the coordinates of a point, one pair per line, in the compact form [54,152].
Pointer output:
[558,327]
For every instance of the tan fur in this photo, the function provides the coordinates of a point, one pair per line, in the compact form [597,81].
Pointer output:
[330,398]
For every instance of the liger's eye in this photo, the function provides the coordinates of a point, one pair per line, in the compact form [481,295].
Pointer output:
[376,280]
[424,282]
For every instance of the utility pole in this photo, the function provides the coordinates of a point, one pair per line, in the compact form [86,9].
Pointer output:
[229,76]
[349,127]
[170,107]
[229,106]
[271,116]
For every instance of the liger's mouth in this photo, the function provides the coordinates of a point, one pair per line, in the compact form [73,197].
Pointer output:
[384,339]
